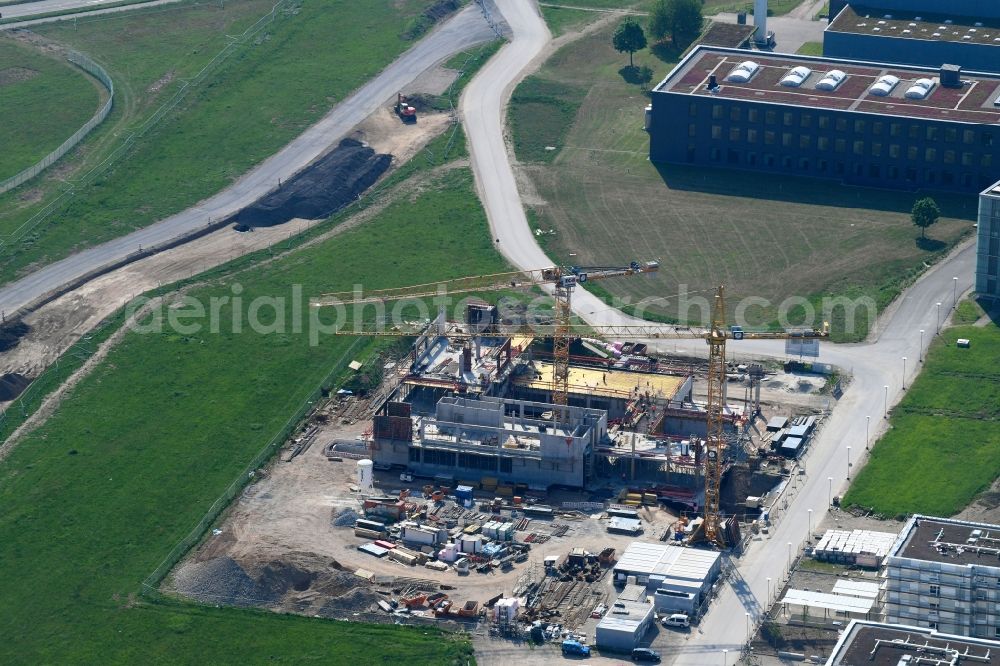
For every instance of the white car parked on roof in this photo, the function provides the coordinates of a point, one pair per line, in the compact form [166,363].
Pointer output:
[743,72]
[831,80]
[920,89]
[884,85]
[796,77]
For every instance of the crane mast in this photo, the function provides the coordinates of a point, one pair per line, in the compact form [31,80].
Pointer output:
[714,442]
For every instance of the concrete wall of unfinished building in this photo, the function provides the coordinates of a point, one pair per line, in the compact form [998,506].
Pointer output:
[983,9]
[904,51]
[733,134]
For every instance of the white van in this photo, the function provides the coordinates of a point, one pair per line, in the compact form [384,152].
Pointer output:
[677,620]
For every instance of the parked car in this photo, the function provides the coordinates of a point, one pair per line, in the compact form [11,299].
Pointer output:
[645,654]
[677,620]
[571,647]
[406,477]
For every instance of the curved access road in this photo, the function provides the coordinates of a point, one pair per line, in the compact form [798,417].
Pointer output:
[22,14]
[462,31]
[876,366]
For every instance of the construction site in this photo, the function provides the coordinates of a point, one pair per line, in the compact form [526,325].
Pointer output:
[520,482]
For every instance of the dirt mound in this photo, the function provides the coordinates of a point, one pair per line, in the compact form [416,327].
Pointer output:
[218,581]
[277,578]
[358,600]
[11,333]
[440,9]
[11,385]
[323,188]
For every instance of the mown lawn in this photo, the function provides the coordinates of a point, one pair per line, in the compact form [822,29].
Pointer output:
[43,101]
[257,101]
[943,447]
[788,243]
[96,497]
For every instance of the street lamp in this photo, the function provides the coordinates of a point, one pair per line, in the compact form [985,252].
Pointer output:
[789,557]
[954,292]
[748,627]
[769,591]
[921,350]
[848,463]
[938,317]
[725,657]
[809,537]
[868,422]
[829,493]
[904,373]
[885,403]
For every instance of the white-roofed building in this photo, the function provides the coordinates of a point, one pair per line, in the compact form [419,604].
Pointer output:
[625,624]
[863,548]
[678,577]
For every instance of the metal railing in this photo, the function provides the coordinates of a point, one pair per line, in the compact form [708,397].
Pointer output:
[98,72]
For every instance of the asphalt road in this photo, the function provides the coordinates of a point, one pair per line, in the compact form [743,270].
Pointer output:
[465,29]
[873,365]
[28,9]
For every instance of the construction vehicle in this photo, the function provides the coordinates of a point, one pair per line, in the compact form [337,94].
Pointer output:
[564,280]
[406,113]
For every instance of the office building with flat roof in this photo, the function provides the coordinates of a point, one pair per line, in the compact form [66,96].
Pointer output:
[857,122]
[879,644]
[988,244]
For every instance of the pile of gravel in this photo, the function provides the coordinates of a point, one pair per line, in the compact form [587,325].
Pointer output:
[345,518]
[358,600]
[217,581]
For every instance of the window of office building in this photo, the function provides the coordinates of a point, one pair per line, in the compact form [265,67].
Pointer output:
[716,111]
[949,157]
[950,134]
[930,155]
[691,153]
[895,129]
[893,172]
[911,175]
[786,138]
[769,160]
[859,147]
[715,155]
[803,164]
[692,110]
[823,142]
[859,126]
[786,161]
[876,150]
[822,165]
[734,133]
[733,156]
[840,146]
[824,122]
[986,161]
[914,131]
[769,138]
[716,131]
[771,117]
[786,119]
[947,177]
[987,139]
[751,135]
[874,171]
[894,150]
[735,114]
[968,137]
[805,120]
[932,133]
[805,141]
[841,124]
[752,159]
[996,632]
[966,159]
[911,152]
[935,590]
[840,168]
[692,129]
[753,115]
[877,128]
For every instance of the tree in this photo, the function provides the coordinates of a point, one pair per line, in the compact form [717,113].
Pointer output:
[687,21]
[925,213]
[629,38]
[661,18]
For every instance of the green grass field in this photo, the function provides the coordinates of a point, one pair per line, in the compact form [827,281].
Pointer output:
[943,447]
[96,497]
[811,48]
[772,240]
[257,102]
[43,101]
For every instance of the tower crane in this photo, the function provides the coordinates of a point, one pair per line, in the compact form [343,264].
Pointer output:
[564,281]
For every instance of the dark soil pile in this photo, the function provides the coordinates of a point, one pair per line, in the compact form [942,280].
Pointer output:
[11,333]
[321,189]
[11,385]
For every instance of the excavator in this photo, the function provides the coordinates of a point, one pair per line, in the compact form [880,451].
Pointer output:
[563,280]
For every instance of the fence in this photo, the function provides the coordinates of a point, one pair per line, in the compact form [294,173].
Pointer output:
[91,67]
[234,44]
[158,574]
